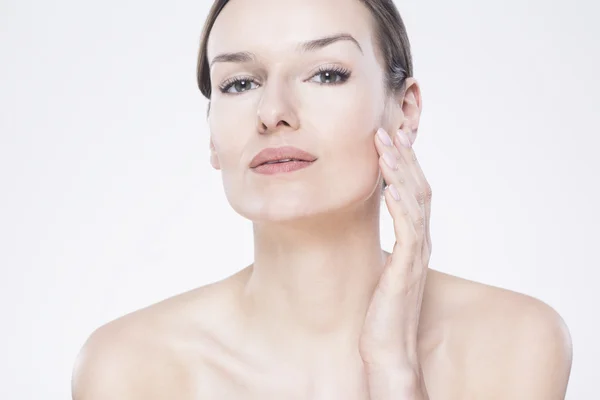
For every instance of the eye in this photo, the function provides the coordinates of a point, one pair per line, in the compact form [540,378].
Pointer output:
[238,85]
[331,76]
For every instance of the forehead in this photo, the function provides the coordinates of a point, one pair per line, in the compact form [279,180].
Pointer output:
[281,24]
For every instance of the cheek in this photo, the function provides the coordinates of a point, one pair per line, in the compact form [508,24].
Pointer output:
[230,134]
[344,123]
[345,109]
[346,120]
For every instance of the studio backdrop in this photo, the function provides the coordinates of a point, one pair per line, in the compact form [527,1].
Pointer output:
[108,201]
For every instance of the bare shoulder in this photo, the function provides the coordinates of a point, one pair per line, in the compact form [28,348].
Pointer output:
[511,345]
[151,353]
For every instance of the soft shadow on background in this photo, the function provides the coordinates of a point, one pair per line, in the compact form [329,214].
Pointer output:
[109,203]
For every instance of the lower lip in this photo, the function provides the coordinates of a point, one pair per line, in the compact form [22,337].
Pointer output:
[277,168]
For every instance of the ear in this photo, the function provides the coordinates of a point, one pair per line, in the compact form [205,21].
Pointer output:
[214,158]
[410,104]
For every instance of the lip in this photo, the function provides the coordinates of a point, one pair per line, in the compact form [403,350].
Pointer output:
[281,153]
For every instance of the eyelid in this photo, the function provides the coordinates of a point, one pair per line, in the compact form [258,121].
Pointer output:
[336,68]
[327,67]
[332,67]
[227,83]
[323,67]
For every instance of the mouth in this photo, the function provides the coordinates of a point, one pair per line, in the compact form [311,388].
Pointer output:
[283,161]
[281,166]
[281,155]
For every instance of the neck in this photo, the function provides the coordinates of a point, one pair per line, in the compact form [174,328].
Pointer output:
[312,280]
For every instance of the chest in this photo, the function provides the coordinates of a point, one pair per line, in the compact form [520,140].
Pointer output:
[229,375]
[281,382]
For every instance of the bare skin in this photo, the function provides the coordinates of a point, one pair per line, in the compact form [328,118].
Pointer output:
[289,325]
[194,346]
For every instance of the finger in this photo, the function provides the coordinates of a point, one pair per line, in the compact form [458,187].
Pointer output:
[385,143]
[394,173]
[397,275]
[395,161]
[402,206]
[420,266]
[407,270]
[424,191]
[392,149]
[405,185]
[409,157]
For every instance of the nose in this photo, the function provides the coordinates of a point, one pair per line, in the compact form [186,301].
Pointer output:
[276,109]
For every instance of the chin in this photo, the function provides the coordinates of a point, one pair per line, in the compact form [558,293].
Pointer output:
[288,207]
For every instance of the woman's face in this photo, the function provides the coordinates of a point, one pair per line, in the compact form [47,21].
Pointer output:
[328,100]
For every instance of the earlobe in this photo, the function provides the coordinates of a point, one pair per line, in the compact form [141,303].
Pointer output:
[214,159]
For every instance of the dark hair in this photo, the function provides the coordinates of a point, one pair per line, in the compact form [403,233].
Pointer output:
[390,37]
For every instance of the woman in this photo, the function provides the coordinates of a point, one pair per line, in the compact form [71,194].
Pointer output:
[313,111]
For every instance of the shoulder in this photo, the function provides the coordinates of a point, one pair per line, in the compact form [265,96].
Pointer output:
[512,345]
[149,353]
[121,359]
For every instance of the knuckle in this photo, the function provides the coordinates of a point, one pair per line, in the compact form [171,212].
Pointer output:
[424,194]
[428,192]
[420,197]
[420,221]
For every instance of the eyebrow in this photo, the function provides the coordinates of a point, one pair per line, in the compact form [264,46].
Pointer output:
[311,45]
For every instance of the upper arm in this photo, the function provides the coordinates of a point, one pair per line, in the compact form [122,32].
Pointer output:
[542,355]
[528,357]
[123,361]
[100,370]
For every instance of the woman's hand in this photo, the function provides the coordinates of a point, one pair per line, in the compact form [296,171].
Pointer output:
[388,342]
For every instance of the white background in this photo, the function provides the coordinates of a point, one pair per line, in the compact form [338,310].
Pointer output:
[108,202]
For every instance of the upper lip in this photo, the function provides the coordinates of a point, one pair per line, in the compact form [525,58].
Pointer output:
[281,153]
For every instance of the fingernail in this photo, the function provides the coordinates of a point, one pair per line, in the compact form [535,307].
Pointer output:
[394,192]
[384,137]
[390,160]
[404,139]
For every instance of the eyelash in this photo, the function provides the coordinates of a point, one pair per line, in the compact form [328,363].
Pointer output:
[342,72]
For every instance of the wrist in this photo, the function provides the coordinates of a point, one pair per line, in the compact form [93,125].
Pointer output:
[396,383]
